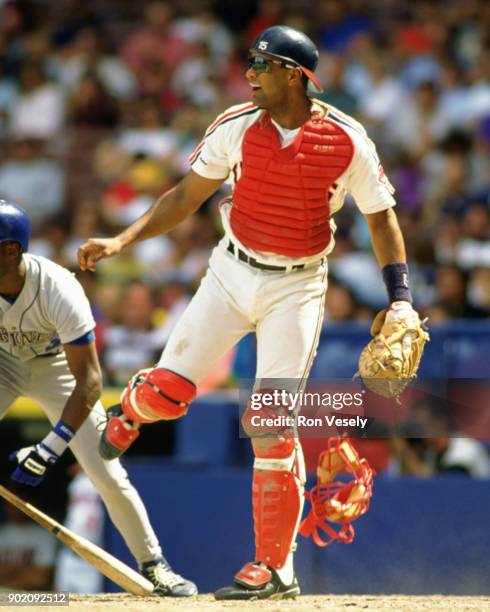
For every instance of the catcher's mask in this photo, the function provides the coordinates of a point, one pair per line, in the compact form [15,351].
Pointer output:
[334,500]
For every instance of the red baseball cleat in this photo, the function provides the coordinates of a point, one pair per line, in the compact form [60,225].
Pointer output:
[255,581]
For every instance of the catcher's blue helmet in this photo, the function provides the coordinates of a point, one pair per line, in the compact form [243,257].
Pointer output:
[15,225]
[289,44]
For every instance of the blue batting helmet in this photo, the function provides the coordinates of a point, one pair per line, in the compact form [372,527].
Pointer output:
[289,44]
[15,225]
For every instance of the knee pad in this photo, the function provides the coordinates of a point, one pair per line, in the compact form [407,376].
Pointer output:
[157,394]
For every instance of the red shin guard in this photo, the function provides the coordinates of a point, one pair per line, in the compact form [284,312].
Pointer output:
[276,501]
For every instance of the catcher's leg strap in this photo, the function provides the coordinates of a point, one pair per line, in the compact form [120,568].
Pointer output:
[157,394]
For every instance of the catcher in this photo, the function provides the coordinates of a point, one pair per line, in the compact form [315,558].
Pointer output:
[291,160]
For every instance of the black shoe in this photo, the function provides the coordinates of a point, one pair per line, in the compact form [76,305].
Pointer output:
[118,434]
[255,581]
[166,581]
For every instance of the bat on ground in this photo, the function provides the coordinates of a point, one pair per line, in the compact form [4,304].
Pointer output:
[115,570]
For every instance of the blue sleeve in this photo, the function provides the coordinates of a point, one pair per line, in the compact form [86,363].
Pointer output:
[85,339]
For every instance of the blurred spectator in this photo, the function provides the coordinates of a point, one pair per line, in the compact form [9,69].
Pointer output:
[86,52]
[441,455]
[339,26]
[8,95]
[134,193]
[51,239]
[85,222]
[454,99]
[149,135]
[31,179]
[383,95]
[90,105]
[408,180]
[474,247]
[479,89]
[38,110]
[451,293]
[447,178]
[438,449]
[269,13]
[84,516]
[340,303]
[154,43]
[192,240]
[188,127]
[171,299]
[416,124]
[204,28]
[105,301]
[479,289]
[359,271]
[27,551]
[194,79]
[133,344]
[12,34]
[334,91]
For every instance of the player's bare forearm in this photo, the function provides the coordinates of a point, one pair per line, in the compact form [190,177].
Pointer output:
[386,237]
[79,404]
[84,365]
[170,209]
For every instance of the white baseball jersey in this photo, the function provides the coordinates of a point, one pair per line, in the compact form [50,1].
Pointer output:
[219,156]
[51,310]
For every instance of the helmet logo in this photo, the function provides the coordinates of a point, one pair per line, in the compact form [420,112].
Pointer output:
[263,44]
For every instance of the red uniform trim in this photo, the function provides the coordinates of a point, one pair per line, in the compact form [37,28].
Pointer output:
[244,110]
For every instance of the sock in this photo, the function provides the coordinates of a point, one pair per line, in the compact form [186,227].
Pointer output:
[286,573]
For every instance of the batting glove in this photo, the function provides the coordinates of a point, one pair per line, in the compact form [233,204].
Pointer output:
[33,463]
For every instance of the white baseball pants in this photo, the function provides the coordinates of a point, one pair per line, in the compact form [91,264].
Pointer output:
[285,310]
[49,381]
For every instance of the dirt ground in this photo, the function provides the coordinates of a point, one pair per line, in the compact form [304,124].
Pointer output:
[306,603]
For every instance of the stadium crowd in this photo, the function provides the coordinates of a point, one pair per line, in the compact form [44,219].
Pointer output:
[101,104]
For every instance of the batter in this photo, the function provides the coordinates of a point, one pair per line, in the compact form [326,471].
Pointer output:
[47,353]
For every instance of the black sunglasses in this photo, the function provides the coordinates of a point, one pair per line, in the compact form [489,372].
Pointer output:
[261,64]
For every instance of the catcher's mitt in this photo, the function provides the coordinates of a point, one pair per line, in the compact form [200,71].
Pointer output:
[391,359]
[338,501]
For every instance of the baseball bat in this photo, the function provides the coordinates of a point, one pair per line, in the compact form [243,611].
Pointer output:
[115,570]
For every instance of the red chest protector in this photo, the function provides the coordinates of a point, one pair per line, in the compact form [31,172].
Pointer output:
[281,200]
